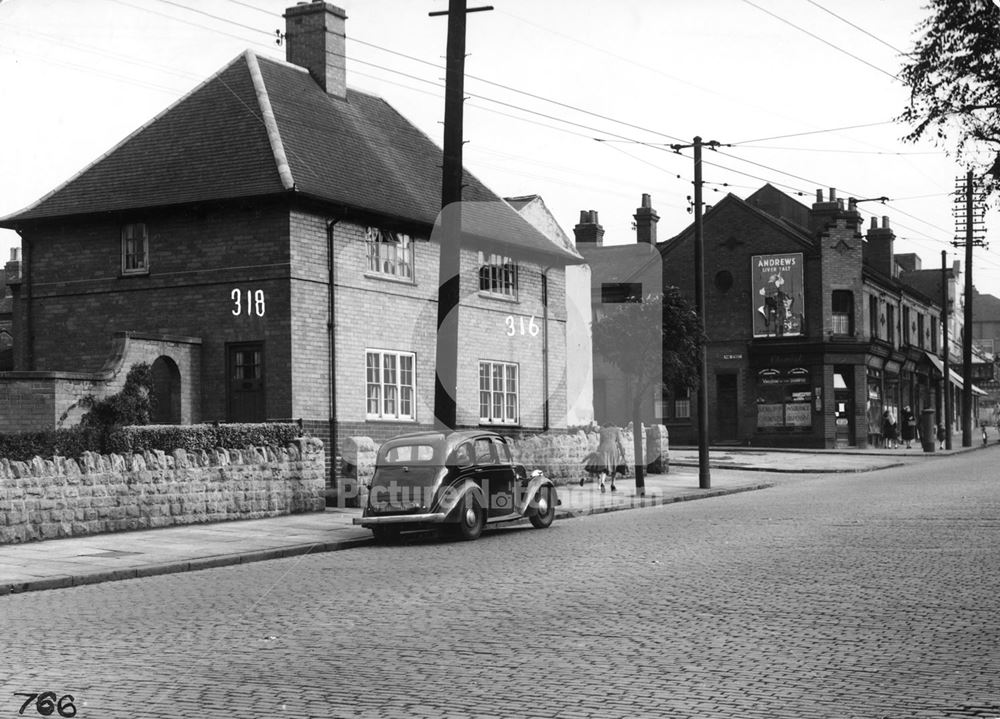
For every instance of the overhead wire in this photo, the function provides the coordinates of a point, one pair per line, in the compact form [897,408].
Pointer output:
[821,39]
[528,110]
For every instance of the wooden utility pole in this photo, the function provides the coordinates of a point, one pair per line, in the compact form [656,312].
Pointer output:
[704,473]
[945,315]
[446,360]
[973,228]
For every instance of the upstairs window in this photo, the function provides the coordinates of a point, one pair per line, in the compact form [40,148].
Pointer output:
[842,320]
[906,334]
[934,334]
[135,249]
[890,323]
[614,292]
[389,253]
[873,316]
[921,340]
[497,276]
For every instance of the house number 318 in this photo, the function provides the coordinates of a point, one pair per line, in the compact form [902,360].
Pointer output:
[254,302]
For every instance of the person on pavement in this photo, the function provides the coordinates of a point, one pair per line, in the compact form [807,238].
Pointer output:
[609,459]
[909,425]
[889,430]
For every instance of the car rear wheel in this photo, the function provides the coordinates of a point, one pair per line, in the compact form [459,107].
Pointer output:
[471,520]
[544,510]
[385,535]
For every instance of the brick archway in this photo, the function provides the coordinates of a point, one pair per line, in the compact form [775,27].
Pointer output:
[166,391]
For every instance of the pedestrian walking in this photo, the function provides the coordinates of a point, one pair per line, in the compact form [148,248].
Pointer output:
[889,430]
[942,435]
[909,425]
[609,459]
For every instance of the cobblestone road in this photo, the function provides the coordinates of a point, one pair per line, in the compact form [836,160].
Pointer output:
[836,596]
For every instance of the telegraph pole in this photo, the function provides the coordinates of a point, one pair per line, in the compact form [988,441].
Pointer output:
[973,237]
[947,349]
[446,361]
[704,473]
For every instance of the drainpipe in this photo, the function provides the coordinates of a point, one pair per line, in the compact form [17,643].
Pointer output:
[545,348]
[332,337]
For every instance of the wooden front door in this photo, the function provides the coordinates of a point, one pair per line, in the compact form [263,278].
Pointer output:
[246,383]
[727,411]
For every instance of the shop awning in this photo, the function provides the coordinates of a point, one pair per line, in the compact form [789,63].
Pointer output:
[956,378]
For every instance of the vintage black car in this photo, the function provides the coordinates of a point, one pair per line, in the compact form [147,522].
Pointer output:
[458,480]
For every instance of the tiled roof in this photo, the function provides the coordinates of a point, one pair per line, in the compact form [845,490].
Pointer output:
[232,136]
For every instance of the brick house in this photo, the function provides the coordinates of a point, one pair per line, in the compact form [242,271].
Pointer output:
[813,329]
[268,241]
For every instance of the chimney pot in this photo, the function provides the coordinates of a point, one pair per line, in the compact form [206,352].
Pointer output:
[874,223]
[885,222]
[647,201]
[833,194]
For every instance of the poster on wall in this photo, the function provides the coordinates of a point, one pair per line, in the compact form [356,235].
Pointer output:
[778,296]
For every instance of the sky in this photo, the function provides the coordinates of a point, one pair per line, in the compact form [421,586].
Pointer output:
[574,100]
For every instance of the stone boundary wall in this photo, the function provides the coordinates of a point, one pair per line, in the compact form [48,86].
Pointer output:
[559,456]
[46,499]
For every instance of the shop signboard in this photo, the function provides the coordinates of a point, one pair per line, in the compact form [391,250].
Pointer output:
[778,296]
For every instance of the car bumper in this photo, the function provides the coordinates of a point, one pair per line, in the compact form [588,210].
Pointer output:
[432,518]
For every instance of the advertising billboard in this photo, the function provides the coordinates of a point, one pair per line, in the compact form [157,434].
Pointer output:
[778,299]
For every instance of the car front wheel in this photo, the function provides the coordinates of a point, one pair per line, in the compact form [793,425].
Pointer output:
[471,520]
[544,510]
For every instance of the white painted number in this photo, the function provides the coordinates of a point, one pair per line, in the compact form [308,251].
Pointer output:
[526,328]
[254,305]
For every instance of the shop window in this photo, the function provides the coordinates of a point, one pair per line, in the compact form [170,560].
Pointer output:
[843,312]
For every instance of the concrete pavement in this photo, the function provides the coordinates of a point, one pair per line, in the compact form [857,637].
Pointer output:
[109,557]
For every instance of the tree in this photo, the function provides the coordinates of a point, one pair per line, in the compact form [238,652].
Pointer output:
[953,74]
[655,342]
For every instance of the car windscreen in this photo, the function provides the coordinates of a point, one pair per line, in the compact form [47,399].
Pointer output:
[407,454]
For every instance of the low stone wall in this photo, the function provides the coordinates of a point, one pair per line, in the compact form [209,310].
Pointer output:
[45,499]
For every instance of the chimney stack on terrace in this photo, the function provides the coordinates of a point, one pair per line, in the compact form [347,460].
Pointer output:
[314,39]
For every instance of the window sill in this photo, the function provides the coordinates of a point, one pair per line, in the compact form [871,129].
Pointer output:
[133,273]
[390,278]
[501,298]
[409,420]
[499,424]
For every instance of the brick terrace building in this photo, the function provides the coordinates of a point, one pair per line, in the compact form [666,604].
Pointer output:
[813,331]
[276,227]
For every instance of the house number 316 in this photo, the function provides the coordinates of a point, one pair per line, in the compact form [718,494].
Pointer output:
[526,328]
[254,302]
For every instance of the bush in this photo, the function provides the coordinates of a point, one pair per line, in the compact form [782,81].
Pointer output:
[70,442]
[197,437]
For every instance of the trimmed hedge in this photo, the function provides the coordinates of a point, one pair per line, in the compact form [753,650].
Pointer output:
[197,437]
[74,441]
[67,442]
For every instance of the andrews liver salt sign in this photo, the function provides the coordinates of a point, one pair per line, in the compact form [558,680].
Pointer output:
[777,295]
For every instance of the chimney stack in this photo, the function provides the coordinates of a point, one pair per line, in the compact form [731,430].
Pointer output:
[645,221]
[314,39]
[880,241]
[589,231]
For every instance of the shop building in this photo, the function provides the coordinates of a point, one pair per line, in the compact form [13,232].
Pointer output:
[813,329]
